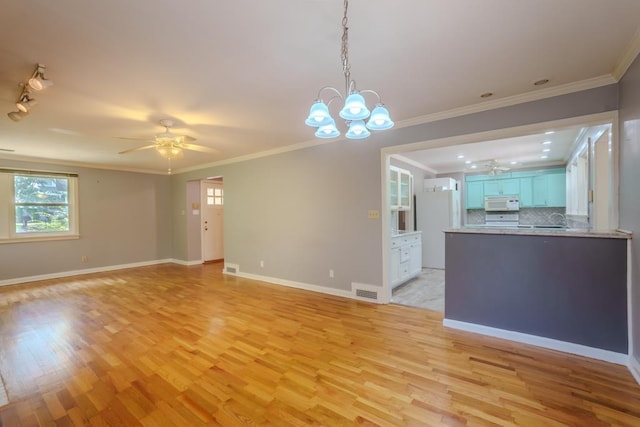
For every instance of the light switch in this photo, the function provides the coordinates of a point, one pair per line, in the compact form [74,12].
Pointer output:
[373,214]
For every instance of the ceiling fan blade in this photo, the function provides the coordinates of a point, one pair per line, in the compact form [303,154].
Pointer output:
[135,139]
[144,147]
[7,150]
[200,148]
[187,138]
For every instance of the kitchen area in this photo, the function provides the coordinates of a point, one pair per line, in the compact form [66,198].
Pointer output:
[556,183]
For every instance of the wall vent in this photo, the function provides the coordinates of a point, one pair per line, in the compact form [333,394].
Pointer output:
[366,292]
[363,293]
[231,268]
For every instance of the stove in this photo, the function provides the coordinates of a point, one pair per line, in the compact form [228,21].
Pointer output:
[501,219]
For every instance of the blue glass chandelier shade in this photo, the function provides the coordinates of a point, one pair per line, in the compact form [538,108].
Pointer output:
[355,111]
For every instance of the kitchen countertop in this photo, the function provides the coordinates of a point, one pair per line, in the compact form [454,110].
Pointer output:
[397,233]
[558,232]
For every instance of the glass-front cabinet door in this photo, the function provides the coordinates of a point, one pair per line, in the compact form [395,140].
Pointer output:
[405,191]
[400,188]
[393,187]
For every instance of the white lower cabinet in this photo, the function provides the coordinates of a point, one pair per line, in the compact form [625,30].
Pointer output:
[406,257]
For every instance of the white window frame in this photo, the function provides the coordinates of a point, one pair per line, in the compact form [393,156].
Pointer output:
[8,232]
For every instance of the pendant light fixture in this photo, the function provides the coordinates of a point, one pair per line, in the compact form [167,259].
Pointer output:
[355,110]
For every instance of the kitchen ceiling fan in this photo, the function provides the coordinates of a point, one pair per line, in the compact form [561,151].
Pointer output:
[170,145]
[493,167]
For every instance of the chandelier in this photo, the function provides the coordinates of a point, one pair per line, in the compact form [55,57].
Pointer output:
[355,110]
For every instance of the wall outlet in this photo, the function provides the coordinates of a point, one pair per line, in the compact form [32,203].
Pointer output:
[84,258]
[261,263]
[373,214]
[331,274]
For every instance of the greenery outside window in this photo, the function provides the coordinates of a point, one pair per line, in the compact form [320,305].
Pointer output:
[37,205]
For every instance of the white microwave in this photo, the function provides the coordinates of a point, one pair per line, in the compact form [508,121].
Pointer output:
[501,203]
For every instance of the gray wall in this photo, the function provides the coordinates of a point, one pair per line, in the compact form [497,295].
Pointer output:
[304,212]
[572,289]
[124,218]
[629,179]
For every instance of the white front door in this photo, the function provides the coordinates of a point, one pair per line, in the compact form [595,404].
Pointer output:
[212,220]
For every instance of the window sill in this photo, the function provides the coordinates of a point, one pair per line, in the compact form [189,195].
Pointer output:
[39,238]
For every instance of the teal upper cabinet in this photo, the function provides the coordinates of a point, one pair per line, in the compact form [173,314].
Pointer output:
[536,188]
[502,187]
[526,192]
[550,190]
[557,186]
[475,195]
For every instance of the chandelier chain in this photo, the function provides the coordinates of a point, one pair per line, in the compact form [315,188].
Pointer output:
[346,67]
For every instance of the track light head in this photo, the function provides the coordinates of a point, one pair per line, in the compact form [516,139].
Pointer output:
[16,116]
[25,103]
[38,82]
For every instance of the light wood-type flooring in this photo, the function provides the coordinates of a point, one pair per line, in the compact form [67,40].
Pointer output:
[170,345]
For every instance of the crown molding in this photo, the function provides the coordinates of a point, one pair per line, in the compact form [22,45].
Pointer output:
[260,154]
[84,165]
[511,100]
[627,58]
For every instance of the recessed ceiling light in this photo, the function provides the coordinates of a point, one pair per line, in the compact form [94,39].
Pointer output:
[544,157]
[514,163]
[473,166]
[546,150]
[549,132]
[546,142]
[467,162]
[541,82]
[461,156]
[486,95]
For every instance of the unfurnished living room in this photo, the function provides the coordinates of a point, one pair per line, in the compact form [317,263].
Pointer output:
[205,220]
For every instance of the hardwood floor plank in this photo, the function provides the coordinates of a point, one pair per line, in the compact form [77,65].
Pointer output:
[169,345]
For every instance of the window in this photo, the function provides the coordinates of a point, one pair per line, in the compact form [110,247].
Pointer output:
[215,196]
[37,205]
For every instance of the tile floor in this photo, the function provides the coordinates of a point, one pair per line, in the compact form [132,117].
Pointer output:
[425,291]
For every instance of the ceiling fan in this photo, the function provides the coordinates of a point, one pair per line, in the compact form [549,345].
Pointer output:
[170,145]
[493,167]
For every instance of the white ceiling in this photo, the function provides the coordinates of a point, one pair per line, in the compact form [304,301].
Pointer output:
[240,75]
[552,147]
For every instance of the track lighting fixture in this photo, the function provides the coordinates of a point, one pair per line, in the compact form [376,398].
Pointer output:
[24,104]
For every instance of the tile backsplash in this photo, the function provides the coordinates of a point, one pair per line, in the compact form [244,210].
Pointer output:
[528,216]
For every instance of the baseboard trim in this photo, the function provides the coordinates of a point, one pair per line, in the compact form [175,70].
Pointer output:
[634,367]
[71,273]
[552,344]
[187,263]
[294,284]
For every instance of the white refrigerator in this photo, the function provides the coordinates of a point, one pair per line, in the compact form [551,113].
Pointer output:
[436,211]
